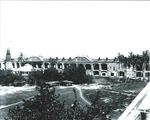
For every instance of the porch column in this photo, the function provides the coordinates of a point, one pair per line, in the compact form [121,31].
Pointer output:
[19,64]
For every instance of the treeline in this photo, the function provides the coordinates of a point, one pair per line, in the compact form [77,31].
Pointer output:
[72,73]
[134,60]
[47,106]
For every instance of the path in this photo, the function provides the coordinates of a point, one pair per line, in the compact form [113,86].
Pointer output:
[81,94]
[69,94]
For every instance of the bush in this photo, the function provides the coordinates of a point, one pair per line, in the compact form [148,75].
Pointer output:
[51,74]
[47,106]
[35,77]
[77,75]
[8,77]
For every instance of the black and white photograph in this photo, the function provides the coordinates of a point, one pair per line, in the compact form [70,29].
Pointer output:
[74,60]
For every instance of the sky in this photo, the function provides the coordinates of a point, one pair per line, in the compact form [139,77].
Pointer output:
[72,28]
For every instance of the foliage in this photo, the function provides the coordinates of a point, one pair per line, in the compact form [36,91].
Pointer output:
[44,106]
[51,74]
[99,109]
[77,75]
[133,60]
[8,77]
[47,106]
[73,73]
[35,77]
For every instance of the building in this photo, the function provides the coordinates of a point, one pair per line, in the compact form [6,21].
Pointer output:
[96,67]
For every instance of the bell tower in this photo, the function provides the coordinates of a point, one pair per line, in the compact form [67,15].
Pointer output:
[8,55]
[8,62]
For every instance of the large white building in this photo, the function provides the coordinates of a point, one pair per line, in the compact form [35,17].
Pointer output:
[96,67]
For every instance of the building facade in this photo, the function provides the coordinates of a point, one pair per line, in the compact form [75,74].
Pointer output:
[96,67]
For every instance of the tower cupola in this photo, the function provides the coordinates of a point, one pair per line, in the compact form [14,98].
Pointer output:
[8,55]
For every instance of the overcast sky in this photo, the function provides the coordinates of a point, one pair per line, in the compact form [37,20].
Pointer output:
[67,29]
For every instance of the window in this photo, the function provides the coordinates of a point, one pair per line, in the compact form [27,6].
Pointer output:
[112,74]
[114,68]
[103,74]
[147,74]
[139,74]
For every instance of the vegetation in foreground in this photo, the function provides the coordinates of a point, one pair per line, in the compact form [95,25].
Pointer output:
[47,106]
[120,94]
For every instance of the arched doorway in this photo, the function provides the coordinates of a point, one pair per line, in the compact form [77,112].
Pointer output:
[104,74]
[73,64]
[96,66]
[46,65]
[121,73]
[104,66]
[59,65]
[88,67]
[80,65]
[139,74]
[96,72]
[147,74]
[66,65]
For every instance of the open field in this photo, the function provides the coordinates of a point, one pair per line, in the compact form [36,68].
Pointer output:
[13,95]
[120,93]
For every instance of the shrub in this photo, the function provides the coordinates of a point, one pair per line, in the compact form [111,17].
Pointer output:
[8,77]
[77,75]
[47,106]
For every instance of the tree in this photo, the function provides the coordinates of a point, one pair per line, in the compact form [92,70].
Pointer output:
[51,74]
[47,106]
[135,61]
[44,106]
[122,60]
[35,77]
[99,109]
[145,58]
[8,77]
[76,74]
[132,60]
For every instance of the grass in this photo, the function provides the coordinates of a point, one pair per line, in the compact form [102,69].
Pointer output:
[120,95]
[68,96]
[14,98]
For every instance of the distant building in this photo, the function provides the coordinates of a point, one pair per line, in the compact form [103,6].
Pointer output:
[95,67]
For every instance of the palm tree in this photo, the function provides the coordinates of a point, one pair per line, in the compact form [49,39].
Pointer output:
[145,60]
[119,60]
[132,60]
[125,62]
